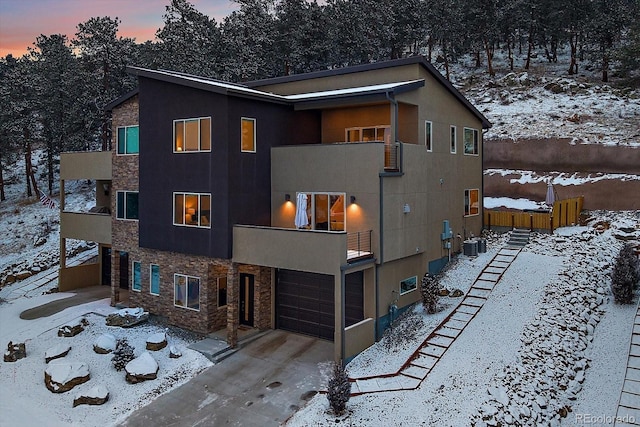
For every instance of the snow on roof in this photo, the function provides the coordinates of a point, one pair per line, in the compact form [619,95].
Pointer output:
[352,90]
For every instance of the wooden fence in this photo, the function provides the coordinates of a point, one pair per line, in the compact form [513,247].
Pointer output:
[564,212]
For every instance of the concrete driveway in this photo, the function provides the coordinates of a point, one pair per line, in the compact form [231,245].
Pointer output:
[260,385]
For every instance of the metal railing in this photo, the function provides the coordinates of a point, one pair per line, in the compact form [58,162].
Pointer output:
[359,244]
[392,157]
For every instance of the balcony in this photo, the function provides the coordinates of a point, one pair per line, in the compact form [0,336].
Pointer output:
[86,165]
[94,227]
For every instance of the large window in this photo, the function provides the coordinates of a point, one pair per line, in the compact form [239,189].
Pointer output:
[154,279]
[192,209]
[428,135]
[368,134]
[452,139]
[326,211]
[222,291]
[136,280]
[471,141]
[127,205]
[191,135]
[128,140]
[471,202]
[186,291]
[248,143]
[408,285]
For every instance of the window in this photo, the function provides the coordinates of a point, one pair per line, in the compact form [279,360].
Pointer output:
[326,211]
[222,291]
[128,140]
[369,134]
[408,285]
[136,283]
[471,141]
[452,139]
[154,279]
[428,135]
[192,135]
[248,143]
[127,205]
[192,209]
[471,202]
[186,291]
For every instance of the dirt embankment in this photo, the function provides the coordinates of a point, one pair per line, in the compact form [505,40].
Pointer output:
[549,156]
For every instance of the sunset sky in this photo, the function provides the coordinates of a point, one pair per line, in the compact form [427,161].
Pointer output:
[21,21]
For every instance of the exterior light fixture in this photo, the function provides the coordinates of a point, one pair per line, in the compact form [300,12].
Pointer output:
[352,199]
[287,197]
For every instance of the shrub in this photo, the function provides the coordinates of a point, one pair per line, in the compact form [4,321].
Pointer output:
[339,390]
[402,330]
[625,275]
[429,290]
[122,355]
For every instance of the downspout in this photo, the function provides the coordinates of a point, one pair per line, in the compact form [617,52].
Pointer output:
[393,101]
[481,199]
[342,321]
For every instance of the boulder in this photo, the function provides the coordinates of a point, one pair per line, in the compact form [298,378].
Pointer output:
[9,279]
[57,352]
[443,292]
[174,353]
[127,317]
[62,375]
[97,395]
[72,329]
[23,275]
[157,341]
[142,368]
[105,344]
[15,352]
[456,293]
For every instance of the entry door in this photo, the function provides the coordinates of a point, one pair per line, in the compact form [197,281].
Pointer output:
[246,299]
[106,266]
[124,270]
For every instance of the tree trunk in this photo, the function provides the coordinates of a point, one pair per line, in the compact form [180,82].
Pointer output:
[510,50]
[605,63]
[50,168]
[488,47]
[573,43]
[2,196]
[430,48]
[478,62]
[527,64]
[446,60]
[27,161]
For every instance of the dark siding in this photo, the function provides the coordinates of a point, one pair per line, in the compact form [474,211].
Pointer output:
[239,183]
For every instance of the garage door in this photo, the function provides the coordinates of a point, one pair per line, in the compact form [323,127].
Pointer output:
[305,302]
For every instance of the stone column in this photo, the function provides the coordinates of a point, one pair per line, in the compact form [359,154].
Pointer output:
[115,278]
[233,314]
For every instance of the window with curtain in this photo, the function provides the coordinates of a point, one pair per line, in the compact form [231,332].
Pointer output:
[192,135]
[186,291]
[192,209]
[471,202]
[248,143]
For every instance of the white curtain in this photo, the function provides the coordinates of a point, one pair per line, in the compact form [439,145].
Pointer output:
[301,211]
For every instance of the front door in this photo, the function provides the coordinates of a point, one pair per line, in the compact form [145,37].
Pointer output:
[124,270]
[246,299]
[106,266]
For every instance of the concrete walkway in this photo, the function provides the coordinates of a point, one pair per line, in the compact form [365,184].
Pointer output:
[423,360]
[629,403]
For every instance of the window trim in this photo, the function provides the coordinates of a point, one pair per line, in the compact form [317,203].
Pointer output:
[133,276]
[255,144]
[184,194]
[453,139]
[428,136]
[199,150]
[125,192]
[218,291]
[187,277]
[476,142]
[151,279]
[467,196]
[413,279]
[125,140]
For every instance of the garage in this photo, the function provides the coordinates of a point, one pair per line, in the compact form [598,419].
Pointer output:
[305,302]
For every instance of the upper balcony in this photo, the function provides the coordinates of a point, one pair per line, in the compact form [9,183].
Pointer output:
[86,165]
[92,227]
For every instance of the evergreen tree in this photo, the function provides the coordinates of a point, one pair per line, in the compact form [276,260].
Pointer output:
[339,389]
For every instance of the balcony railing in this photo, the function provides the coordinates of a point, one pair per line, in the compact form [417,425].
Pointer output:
[392,157]
[359,245]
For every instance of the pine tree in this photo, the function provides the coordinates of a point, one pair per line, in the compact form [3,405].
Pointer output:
[122,355]
[429,290]
[625,275]
[339,390]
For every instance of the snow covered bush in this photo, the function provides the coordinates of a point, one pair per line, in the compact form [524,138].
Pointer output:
[402,330]
[339,390]
[429,290]
[122,355]
[625,275]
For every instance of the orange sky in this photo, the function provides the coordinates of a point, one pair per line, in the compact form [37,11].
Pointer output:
[21,21]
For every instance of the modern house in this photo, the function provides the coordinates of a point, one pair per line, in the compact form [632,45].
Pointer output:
[310,203]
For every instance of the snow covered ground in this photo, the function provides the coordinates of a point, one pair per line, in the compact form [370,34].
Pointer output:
[528,345]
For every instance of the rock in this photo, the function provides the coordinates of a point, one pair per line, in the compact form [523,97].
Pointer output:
[499,394]
[15,352]
[62,375]
[23,275]
[97,395]
[174,353]
[9,279]
[127,317]
[142,368]
[443,292]
[105,344]
[72,329]
[157,341]
[56,352]
[456,293]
